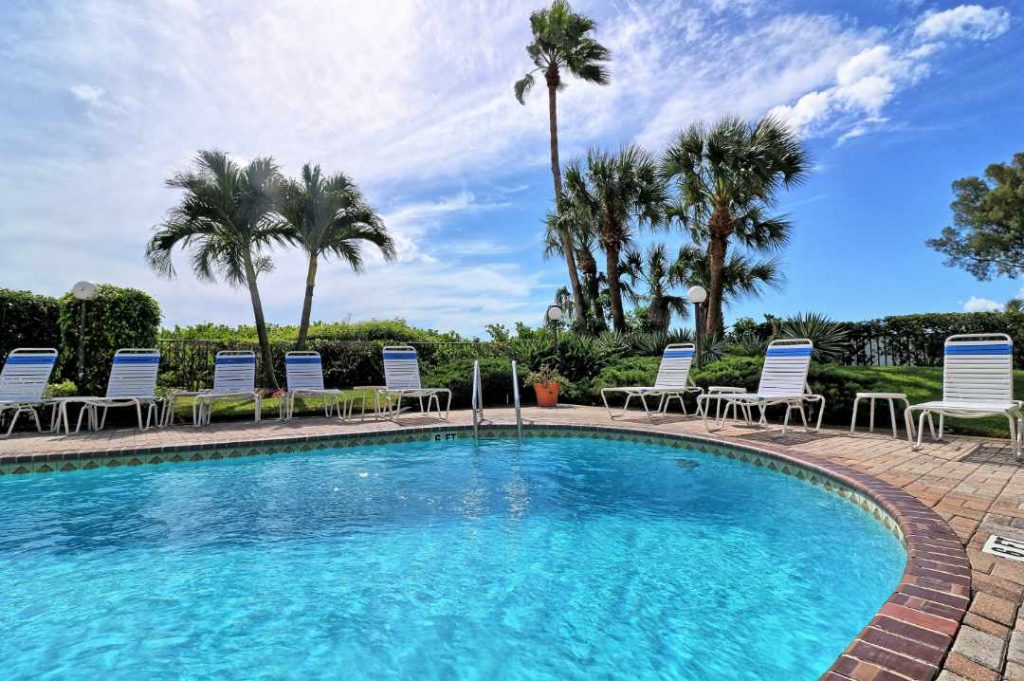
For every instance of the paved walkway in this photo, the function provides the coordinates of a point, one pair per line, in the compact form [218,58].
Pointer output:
[973,483]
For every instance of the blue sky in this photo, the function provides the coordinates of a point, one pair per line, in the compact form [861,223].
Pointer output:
[103,100]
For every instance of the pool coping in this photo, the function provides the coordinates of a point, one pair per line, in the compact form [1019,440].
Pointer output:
[908,638]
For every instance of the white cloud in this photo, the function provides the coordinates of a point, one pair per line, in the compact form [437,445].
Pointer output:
[973,22]
[976,304]
[89,94]
[866,82]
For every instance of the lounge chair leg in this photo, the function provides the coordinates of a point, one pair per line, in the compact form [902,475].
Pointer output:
[942,424]
[871,417]
[931,426]
[920,430]
[821,414]
[853,421]
[785,420]
[803,416]
[892,413]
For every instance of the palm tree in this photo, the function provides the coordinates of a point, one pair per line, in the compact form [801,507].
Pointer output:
[226,221]
[742,275]
[561,40]
[653,270]
[727,176]
[328,216]
[617,193]
[573,223]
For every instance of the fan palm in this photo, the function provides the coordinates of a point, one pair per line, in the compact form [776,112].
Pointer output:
[562,42]
[617,192]
[654,272]
[727,176]
[742,275]
[328,216]
[226,221]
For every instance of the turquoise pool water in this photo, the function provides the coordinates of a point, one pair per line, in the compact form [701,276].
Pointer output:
[557,559]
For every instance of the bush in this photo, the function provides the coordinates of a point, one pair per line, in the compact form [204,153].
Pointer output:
[457,375]
[27,320]
[115,318]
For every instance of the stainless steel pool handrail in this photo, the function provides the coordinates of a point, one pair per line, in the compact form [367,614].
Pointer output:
[515,393]
[477,401]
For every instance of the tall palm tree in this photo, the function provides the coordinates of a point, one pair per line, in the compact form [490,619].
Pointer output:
[562,41]
[727,176]
[655,273]
[226,221]
[328,216]
[619,192]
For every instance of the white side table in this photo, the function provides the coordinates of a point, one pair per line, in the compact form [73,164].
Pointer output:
[892,398]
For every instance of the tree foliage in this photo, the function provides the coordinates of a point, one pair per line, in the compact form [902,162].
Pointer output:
[987,235]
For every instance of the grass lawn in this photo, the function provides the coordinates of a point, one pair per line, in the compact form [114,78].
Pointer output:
[232,410]
[922,384]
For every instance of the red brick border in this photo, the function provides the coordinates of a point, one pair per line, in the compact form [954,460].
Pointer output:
[908,638]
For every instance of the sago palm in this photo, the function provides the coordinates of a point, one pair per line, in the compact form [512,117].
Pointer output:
[619,192]
[328,217]
[562,42]
[727,176]
[226,222]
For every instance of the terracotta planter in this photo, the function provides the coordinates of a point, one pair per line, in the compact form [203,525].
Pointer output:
[547,394]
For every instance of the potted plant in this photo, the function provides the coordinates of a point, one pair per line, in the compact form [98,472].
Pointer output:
[546,382]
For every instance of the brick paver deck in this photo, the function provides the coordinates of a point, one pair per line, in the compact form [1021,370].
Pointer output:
[973,484]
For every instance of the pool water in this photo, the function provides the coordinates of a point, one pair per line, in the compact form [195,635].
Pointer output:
[557,559]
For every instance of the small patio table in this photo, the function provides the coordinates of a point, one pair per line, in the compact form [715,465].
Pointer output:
[892,398]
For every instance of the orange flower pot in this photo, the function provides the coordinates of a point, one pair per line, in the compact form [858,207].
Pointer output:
[547,394]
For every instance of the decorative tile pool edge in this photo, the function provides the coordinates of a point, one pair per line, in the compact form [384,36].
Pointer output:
[909,636]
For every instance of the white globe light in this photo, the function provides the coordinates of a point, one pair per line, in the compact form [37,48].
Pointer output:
[697,294]
[84,290]
[554,313]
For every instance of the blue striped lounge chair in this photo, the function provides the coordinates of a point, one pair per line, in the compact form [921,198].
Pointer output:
[977,381]
[304,373]
[23,382]
[783,382]
[672,383]
[234,378]
[402,380]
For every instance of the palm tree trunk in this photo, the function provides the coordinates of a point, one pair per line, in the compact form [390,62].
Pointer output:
[717,246]
[307,303]
[611,249]
[556,173]
[261,323]
[592,290]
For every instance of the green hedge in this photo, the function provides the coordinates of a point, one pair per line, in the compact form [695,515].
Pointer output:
[115,318]
[27,320]
[917,339]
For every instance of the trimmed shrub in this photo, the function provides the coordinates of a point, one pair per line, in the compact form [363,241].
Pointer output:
[116,318]
[27,320]
[495,378]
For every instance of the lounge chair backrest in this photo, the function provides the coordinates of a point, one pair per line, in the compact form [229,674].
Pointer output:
[26,373]
[401,368]
[235,372]
[786,364]
[133,373]
[304,371]
[978,368]
[674,371]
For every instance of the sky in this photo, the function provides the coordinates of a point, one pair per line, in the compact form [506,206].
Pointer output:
[102,101]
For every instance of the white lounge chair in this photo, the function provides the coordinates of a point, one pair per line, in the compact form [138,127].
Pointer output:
[304,373]
[234,378]
[673,382]
[132,383]
[783,381]
[402,379]
[977,381]
[23,381]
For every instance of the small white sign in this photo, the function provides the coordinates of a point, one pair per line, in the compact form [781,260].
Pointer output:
[1007,548]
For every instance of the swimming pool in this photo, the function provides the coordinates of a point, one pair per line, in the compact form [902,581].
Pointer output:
[557,558]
